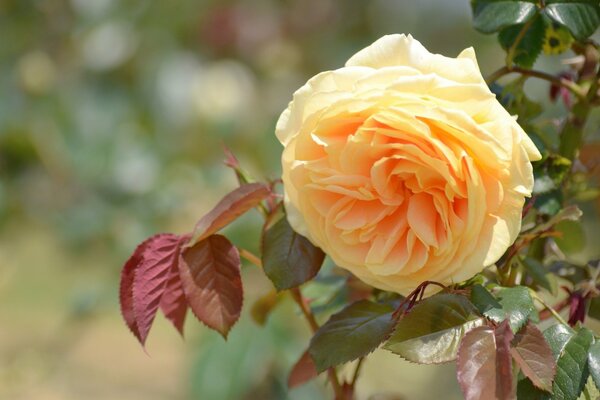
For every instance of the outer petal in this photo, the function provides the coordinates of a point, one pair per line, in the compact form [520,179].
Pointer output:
[396,50]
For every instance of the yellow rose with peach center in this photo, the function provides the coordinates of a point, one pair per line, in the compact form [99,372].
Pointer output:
[403,167]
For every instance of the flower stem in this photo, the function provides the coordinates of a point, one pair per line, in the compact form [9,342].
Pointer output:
[314,326]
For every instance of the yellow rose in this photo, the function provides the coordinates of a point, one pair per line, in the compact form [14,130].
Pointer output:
[403,167]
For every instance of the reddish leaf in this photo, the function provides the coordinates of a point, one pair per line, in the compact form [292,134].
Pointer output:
[230,159]
[232,162]
[504,376]
[303,371]
[233,205]
[126,288]
[577,308]
[210,272]
[481,364]
[173,302]
[159,257]
[534,356]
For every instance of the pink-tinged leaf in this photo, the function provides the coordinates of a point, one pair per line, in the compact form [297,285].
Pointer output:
[232,162]
[303,371]
[173,302]
[126,288]
[159,257]
[504,375]
[210,272]
[481,366]
[534,356]
[233,205]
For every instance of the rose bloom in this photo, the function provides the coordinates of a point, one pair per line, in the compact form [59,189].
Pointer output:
[403,167]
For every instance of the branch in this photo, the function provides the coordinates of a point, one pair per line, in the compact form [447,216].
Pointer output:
[552,311]
[510,54]
[567,84]
[314,326]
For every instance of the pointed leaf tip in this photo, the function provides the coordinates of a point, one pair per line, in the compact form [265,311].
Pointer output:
[432,331]
[145,278]
[534,356]
[289,259]
[352,333]
[233,205]
[484,368]
[212,283]
[303,371]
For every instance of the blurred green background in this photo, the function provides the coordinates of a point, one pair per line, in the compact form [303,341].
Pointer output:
[112,118]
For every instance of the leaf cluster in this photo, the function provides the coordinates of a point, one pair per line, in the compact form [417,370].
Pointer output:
[523,26]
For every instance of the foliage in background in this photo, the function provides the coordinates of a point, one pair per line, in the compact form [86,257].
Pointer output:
[488,325]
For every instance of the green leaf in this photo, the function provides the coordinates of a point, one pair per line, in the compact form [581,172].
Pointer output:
[491,16]
[288,258]
[571,368]
[572,236]
[484,369]
[431,332]
[531,44]
[539,274]
[487,304]
[352,333]
[594,362]
[580,17]
[527,391]
[557,337]
[518,305]
[590,391]
[534,356]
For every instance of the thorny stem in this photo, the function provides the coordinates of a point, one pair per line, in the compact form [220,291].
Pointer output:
[567,84]
[314,326]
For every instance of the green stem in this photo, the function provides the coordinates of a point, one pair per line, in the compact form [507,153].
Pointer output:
[555,80]
[552,311]
[510,54]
